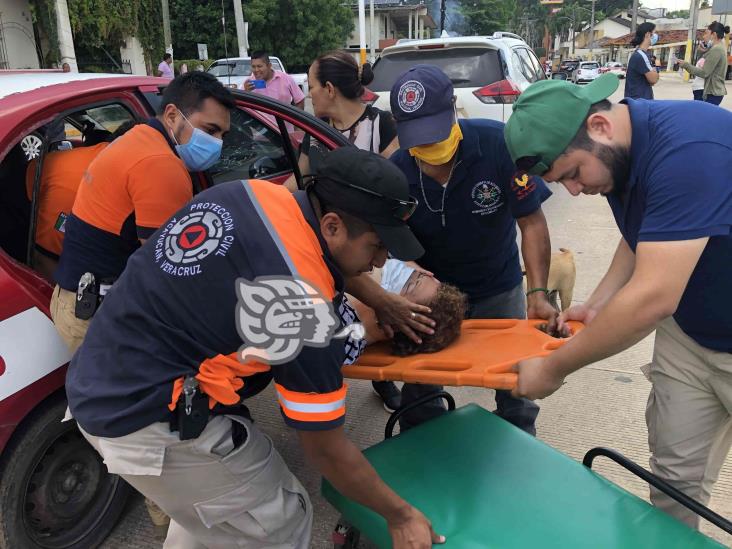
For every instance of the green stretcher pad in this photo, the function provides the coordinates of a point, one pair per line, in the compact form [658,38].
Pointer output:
[486,484]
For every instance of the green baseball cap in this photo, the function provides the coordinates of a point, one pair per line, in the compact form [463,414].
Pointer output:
[546,118]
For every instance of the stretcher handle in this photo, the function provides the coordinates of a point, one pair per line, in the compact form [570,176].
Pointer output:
[399,412]
[701,510]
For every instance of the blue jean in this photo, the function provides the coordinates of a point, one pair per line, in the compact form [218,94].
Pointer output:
[714,99]
[698,95]
[518,411]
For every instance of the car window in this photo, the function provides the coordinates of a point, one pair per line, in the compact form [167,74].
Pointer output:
[251,150]
[276,65]
[242,67]
[537,65]
[522,63]
[108,117]
[590,66]
[466,67]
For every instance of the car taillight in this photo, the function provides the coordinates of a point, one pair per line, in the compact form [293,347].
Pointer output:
[369,97]
[503,91]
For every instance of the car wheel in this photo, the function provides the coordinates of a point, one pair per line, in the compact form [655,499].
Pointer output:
[31,145]
[55,491]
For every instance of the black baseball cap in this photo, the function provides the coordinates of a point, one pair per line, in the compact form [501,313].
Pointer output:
[370,188]
[422,105]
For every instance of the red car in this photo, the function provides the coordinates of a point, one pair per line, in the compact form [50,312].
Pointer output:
[55,491]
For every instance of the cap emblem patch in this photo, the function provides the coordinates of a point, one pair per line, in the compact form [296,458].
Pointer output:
[411,96]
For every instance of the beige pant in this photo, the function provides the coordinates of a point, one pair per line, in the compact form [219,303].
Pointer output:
[688,417]
[218,496]
[71,329]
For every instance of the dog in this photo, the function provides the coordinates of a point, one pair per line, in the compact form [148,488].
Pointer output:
[562,275]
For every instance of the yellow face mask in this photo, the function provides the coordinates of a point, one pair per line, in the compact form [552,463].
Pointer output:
[439,153]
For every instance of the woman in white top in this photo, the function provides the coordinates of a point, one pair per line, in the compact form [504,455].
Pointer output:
[337,84]
[697,86]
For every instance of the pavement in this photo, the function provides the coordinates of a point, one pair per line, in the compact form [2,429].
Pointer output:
[601,405]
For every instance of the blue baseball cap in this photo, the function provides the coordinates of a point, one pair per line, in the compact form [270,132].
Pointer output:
[422,105]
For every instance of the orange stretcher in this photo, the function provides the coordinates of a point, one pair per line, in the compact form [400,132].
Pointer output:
[482,356]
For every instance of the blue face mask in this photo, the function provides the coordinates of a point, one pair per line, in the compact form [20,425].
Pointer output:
[654,39]
[202,150]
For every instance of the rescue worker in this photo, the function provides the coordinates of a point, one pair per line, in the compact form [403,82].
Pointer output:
[246,265]
[470,205]
[132,186]
[664,167]
[60,178]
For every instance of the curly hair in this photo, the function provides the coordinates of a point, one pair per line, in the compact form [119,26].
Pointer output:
[448,311]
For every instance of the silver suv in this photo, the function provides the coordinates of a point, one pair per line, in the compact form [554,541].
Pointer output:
[488,72]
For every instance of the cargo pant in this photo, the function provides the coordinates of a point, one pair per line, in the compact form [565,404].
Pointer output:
[218,496]
[688,416]
[71,329]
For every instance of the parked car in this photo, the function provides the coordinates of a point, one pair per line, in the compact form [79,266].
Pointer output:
[586,71]
[568,66]
[488,72]
[614,67]
[233,71]
[55,492]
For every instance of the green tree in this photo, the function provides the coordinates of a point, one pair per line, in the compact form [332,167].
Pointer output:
[482,17]
[298,31]
[199,21]
[101,26]
[682,14]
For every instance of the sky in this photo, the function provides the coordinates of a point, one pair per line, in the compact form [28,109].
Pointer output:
[672,5]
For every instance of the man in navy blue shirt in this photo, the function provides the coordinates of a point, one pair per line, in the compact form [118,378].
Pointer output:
[469,206]
[665,168]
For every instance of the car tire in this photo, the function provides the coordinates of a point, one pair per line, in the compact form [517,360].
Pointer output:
[55,491]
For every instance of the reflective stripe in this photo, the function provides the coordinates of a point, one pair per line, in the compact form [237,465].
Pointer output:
[315,408]
[270,228]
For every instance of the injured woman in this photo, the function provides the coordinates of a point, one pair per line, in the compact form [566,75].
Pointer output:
[410,281]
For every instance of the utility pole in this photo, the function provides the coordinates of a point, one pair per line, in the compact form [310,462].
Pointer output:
[443,11]
[371,34]
[241,33]
[694,16]
[592,30]
[166,28]
[634,17]
[362,29]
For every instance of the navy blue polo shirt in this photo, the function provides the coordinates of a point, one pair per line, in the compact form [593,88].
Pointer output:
[636,83]
[476,249]
[174,310]
[680,188]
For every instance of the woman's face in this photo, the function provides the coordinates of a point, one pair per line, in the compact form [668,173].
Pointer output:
[707,35]
[319,95]
[420,288]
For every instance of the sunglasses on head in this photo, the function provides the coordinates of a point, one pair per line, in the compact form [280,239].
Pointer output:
[401,209]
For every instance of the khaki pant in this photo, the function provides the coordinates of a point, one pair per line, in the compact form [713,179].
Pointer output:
[218,496]
[71,329]
[688,417]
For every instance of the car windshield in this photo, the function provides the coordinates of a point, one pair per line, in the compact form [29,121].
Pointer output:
[231,68]
[466,67]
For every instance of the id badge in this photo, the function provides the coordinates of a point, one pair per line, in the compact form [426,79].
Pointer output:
[60,224]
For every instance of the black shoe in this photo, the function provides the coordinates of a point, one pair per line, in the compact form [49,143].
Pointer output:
[389,393]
